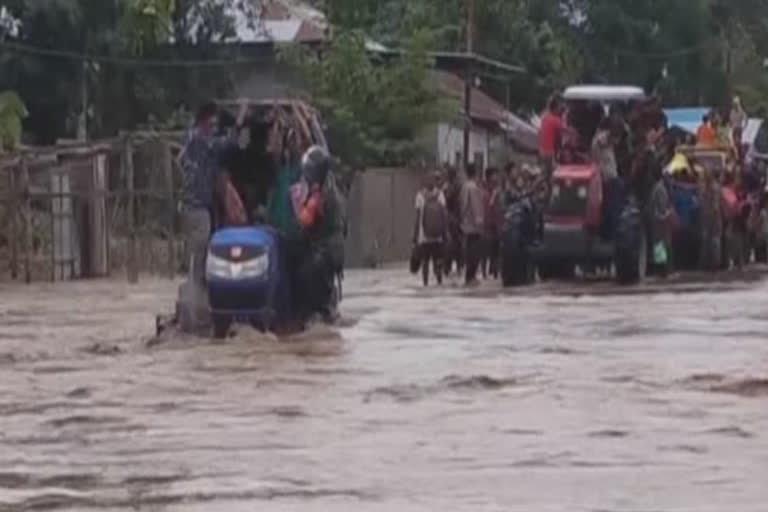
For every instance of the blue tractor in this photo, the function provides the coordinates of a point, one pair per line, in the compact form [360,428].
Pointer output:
[246,279]
[248,274]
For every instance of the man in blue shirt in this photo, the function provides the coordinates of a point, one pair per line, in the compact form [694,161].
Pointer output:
[201,164]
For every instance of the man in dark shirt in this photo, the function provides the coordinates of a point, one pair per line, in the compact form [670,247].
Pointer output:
[200,162]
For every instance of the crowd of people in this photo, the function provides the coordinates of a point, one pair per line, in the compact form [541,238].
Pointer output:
[634,148]
[457,226]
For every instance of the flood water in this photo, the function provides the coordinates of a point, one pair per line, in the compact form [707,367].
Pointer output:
[437,400]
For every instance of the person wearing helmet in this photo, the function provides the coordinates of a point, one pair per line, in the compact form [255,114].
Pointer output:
[321,218]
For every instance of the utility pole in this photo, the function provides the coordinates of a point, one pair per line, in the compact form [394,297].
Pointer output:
[468,78]
[82,122]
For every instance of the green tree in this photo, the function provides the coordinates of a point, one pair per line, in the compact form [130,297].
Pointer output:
[121,94]
[376,112]
[12,113]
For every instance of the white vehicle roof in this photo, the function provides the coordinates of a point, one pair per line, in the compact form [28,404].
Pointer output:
[604,93]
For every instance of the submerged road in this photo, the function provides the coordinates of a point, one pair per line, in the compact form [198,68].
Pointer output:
[553,400]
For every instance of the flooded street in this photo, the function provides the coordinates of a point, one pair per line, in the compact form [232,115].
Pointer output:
[436,400]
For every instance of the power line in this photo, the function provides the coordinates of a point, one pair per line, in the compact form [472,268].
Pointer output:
[127,61]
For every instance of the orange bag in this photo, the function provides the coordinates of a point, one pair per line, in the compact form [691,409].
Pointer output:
[311,211]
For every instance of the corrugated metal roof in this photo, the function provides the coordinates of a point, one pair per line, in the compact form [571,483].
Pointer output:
[485,108]
[604,93]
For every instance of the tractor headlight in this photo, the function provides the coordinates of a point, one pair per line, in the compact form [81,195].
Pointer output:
[226,269]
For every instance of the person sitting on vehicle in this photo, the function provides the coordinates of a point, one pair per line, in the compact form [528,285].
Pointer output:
[431,229]
[201,166]
[645,168]
[472,223]
[322,218]
[661,211]
[603,151]
[551,134]
[706,135]
[738,116]
[722,130]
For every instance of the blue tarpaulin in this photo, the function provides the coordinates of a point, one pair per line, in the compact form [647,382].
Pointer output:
[689,119]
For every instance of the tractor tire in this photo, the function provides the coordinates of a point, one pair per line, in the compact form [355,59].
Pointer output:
[631,246]
[221,325]
[556,270]
[514,254]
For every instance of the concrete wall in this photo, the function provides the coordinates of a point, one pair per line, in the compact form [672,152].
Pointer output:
[381,216]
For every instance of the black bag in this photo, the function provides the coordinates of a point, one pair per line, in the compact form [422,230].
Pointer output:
[434,218]
[416,257]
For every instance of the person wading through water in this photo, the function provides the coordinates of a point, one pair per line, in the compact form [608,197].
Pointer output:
[201,166]
[710,219]
[431,229]
[493,212]
[472,218]
[453,250]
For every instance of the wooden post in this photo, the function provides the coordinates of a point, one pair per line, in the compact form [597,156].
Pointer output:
[167,162]
[27,220]
[468,78]
[133,271]
[14,216]
[54,219]
[99,250]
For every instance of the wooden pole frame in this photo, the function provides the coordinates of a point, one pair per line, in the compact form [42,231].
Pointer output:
[132,262]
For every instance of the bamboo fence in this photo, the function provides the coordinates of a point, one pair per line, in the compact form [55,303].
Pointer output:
[118,196]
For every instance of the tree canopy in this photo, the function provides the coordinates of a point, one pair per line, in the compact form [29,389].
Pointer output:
[44,57]
[691,51]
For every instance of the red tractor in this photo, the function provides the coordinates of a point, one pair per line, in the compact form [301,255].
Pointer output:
[586,222]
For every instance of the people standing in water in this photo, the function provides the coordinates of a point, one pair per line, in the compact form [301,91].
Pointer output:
[454,253]
[431,229]
[660,213]
[472,224]
[710,219]
[494,191]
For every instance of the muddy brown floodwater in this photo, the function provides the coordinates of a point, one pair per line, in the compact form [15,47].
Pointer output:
[432,400]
